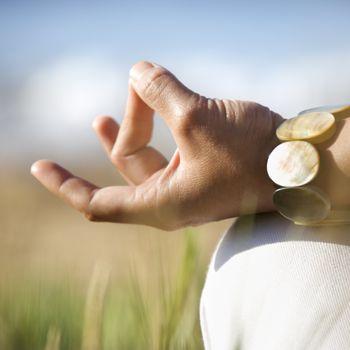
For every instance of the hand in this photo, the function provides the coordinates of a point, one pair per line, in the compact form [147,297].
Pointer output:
[217,171]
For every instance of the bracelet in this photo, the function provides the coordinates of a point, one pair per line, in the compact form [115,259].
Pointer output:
[295,162]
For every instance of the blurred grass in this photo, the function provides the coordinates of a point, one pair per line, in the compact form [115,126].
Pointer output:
[31,305]
[48,253]
[132,317]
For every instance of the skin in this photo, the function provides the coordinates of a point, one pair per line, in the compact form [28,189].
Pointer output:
[217,171]
[334,174]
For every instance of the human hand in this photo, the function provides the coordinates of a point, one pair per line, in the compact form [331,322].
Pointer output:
[217,171]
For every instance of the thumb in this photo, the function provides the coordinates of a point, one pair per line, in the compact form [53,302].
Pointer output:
[164,93]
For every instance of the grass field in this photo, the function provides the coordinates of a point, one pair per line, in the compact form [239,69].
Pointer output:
[66,283]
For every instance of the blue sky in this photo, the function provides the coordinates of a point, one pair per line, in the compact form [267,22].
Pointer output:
[62,62]
[34,31]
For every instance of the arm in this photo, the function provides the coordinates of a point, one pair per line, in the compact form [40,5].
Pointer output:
[218,170]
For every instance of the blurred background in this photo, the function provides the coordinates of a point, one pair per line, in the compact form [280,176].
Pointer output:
[61,64]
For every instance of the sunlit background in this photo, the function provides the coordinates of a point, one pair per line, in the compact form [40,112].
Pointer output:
[64,62]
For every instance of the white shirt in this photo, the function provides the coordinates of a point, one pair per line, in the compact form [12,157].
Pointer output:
[277,286]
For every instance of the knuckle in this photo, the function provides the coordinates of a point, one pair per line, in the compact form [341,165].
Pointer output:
[190,114]
[253,108]
[119,160]
[90,212]
[91,217]
[154,82]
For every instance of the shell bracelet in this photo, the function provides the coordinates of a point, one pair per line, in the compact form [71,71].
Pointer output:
[295,162]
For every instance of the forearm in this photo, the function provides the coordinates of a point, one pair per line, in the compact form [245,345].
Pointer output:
[334,173]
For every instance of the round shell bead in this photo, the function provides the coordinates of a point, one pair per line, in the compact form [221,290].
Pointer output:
[293,163]
[304,205]
[314,127]
[338,111]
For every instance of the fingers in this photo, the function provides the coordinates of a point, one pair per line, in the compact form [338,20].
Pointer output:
[151,88]
[107,131]
[164,93]
[127,146]
[137,126]
[114,204]
[131,154]
[73,190]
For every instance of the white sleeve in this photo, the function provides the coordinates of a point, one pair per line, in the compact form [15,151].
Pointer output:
[276,286]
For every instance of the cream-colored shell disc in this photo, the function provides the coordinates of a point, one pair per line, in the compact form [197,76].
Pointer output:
[338,111]
[314,127]
[293,163]
[303,205]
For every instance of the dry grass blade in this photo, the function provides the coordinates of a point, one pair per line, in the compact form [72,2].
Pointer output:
[53,339]
[95,299]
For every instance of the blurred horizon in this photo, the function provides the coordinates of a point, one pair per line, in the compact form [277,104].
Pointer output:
[63,63]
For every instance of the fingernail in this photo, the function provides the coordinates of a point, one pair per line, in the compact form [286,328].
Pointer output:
[138,69]
[94,123]
[34,169]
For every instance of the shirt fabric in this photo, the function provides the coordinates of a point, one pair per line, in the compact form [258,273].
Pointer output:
[277,286]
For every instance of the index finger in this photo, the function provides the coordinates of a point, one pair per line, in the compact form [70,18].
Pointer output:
[113,204]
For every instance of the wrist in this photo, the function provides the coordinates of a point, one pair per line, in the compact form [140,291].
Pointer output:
[334,174]
[313,167]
